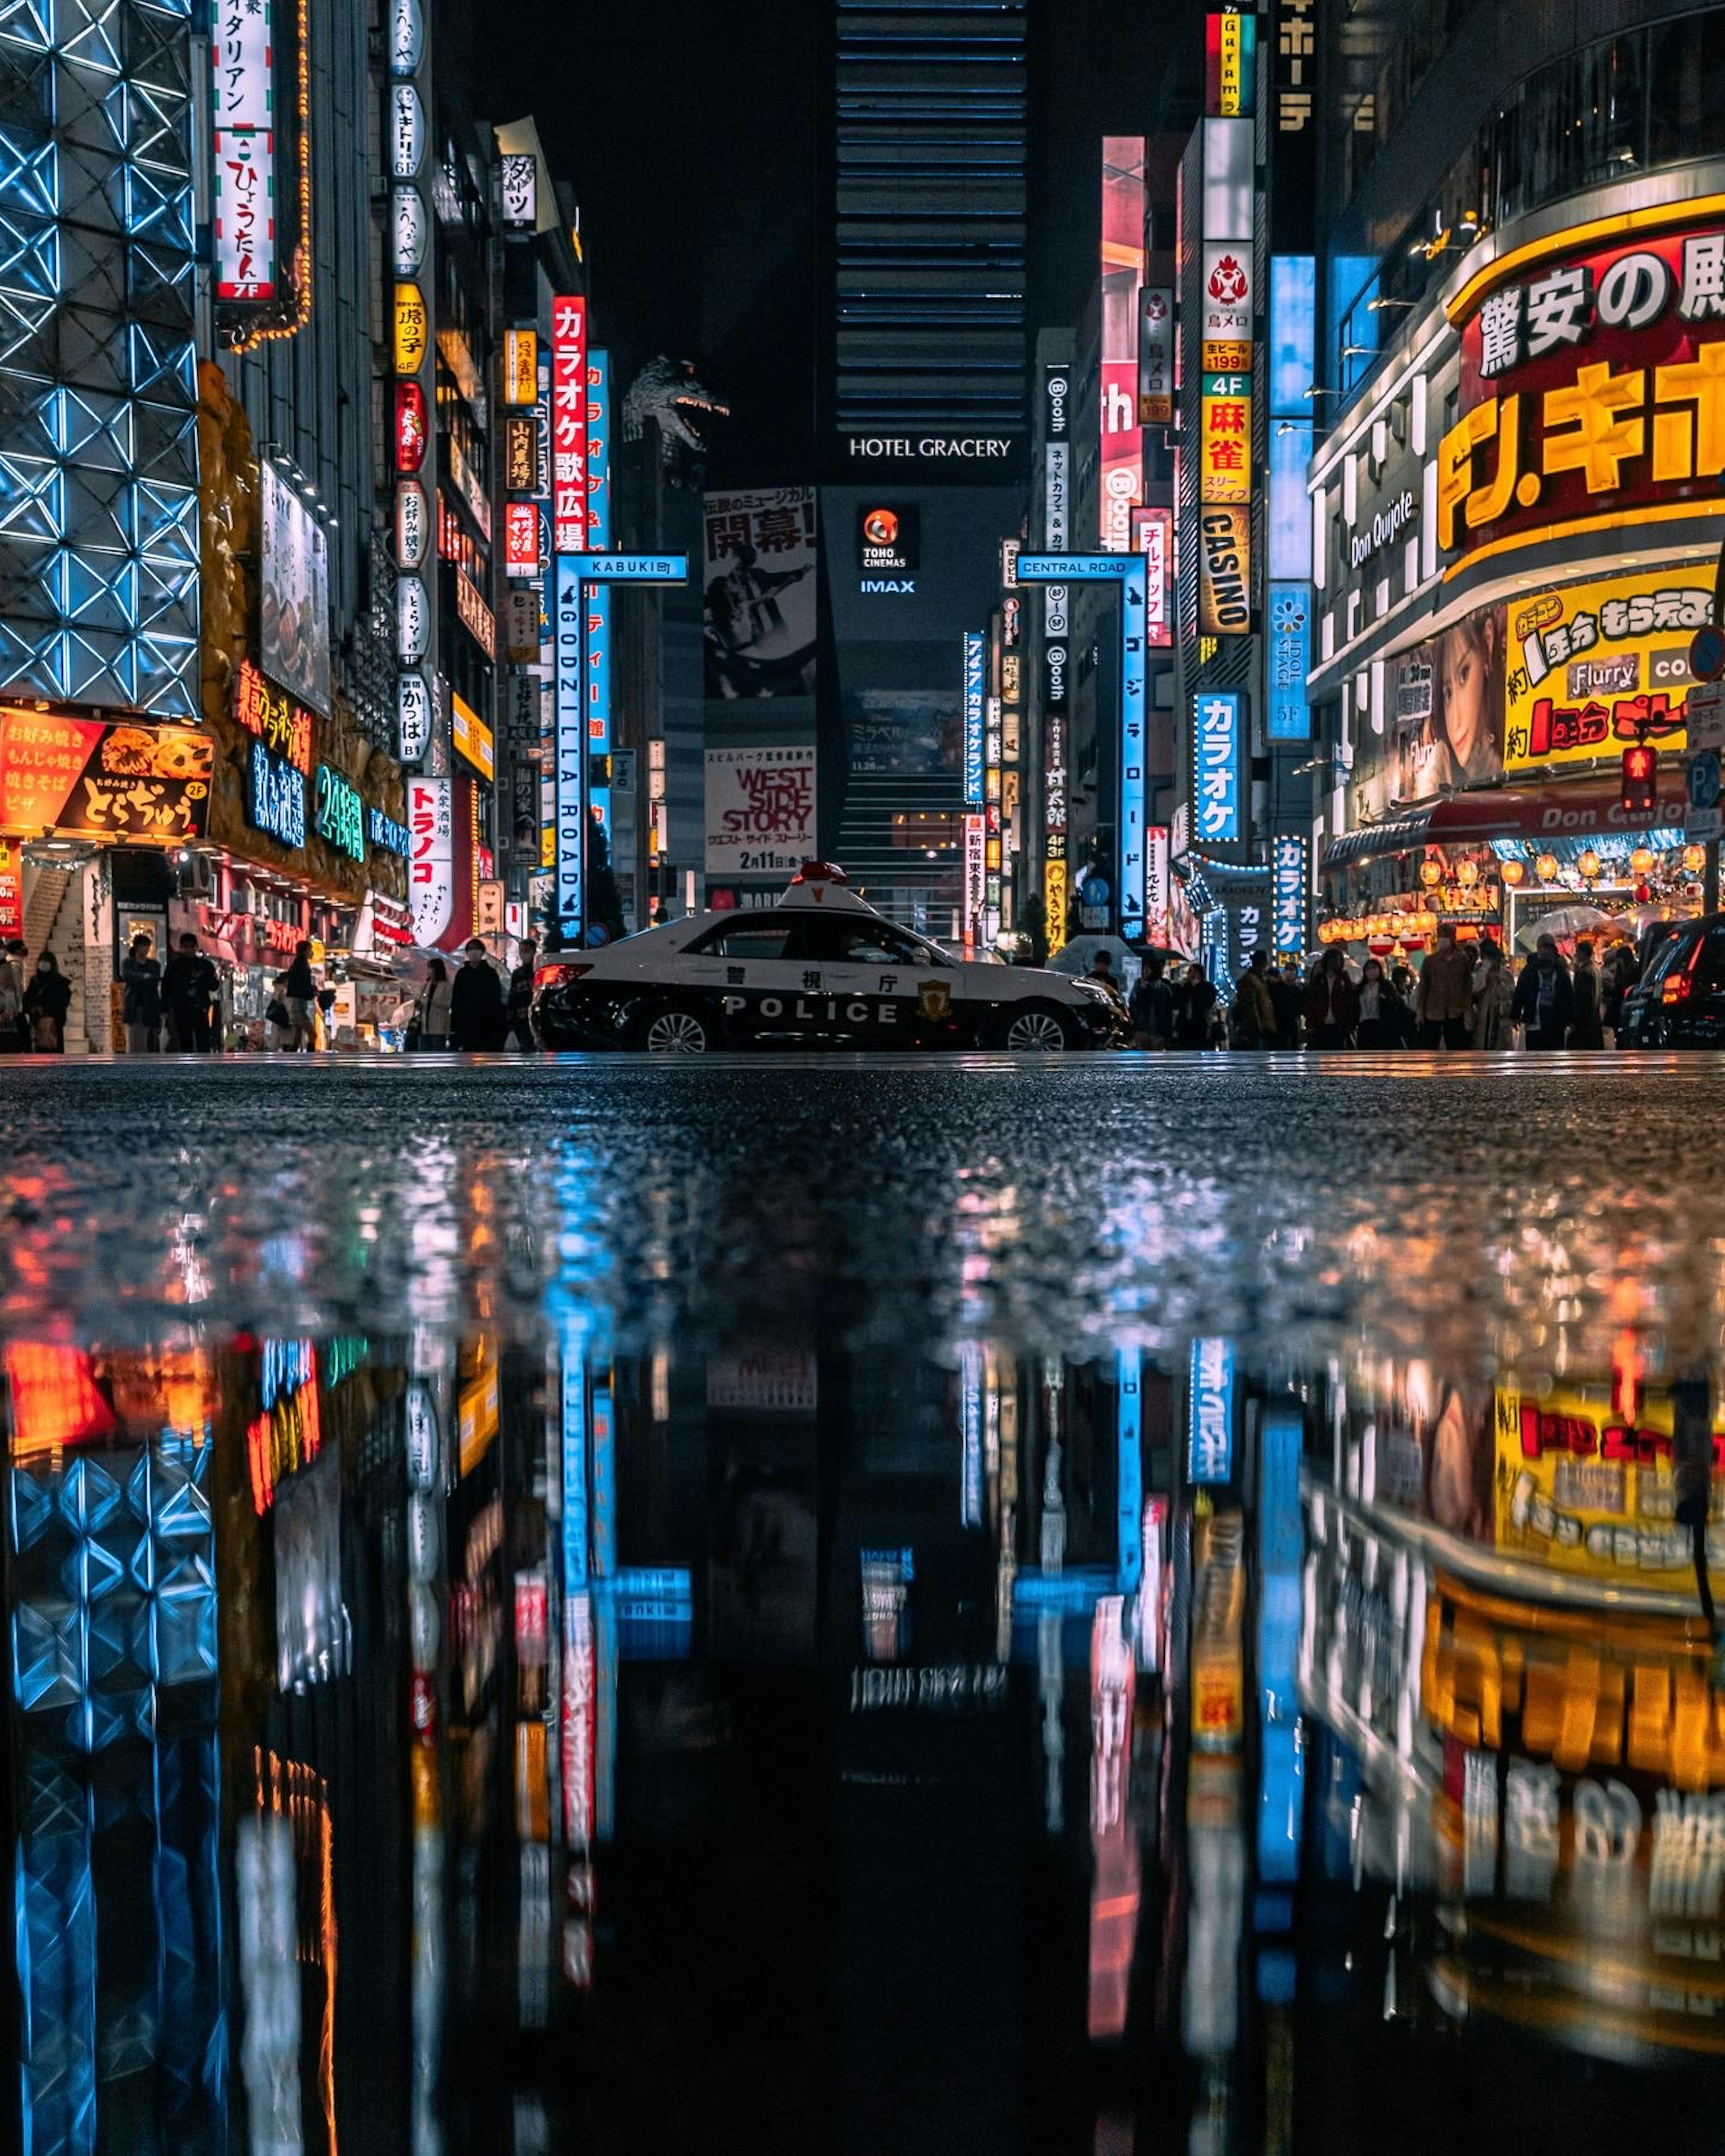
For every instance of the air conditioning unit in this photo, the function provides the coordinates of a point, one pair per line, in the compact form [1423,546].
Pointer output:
[196,876]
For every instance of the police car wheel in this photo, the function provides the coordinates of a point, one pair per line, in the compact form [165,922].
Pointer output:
[675,1032]
[1039,1031]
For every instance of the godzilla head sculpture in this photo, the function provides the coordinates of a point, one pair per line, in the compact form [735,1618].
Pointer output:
[670,392]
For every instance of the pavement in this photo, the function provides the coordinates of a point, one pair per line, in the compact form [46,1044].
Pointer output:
[900,1603]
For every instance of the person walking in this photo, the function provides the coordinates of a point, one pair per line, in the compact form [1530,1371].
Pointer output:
[189,986]
[1587,1027]
[434,1007]
[1254,1012]
[1331,1004]
[521,994]
[1492,993]
[14,1028]
[1441,999]
[1194,1000]
[47,1000]
[299,988]
[1379,1024]
[141,1012]
[1289,1004]
[277,1018]
[1544,999]
[476,1012]
[1152,1007]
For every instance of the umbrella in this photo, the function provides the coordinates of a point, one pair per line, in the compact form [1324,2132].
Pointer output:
[1080,955]
[1561,922]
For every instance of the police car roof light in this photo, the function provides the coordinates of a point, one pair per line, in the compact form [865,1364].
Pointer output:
[819,872]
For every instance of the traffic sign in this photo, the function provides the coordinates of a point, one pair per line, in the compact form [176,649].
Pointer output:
[1704,715]
[1702,818]
[1707,653]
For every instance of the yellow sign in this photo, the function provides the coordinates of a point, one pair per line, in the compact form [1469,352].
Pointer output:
[1226,355]
[472,738]
[547,846]
[412,329]
[1595,667]
[1230,67]
[1053,899]
[520,367]
[1580,1489]
[1225,439]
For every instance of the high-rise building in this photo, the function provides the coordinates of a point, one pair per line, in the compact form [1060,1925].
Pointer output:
[927,219]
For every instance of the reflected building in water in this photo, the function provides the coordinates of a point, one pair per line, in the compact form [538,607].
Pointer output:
[494,1739]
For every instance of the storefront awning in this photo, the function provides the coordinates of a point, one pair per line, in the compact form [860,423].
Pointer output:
[1592,809]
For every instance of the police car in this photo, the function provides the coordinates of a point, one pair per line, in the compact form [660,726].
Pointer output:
[822,968]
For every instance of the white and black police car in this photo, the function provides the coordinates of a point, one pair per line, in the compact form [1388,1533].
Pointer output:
[820,970]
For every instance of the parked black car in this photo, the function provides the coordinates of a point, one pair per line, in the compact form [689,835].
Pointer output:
[1679,1001]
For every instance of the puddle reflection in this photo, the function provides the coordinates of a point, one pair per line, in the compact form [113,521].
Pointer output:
[493,1738]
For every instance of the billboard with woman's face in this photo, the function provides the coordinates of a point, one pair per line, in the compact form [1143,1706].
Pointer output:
[1445,721]
[294,625]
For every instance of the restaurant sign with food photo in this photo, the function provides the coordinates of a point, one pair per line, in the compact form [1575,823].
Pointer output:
[294,624]
[85,778]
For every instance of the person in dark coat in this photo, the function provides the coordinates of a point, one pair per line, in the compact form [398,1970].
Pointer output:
[1545,997]
[300,987]
[477,1018]
[520,994]
[1587,1028]
[1289,1005]
[189,986]
[47,1000]
[141,1010]
[1331,1004]
[1194,1001]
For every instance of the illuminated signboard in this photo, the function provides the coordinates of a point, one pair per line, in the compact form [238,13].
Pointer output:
[974,659]
[407,213]
[519,457]
[274,796]
[1156,356]
[410,426]
[243,141]
[520,539]
[413,525]
[1216,766]
[1226,311]
[339,813]
[406,132]
[1153,538]
[272,716]
[1291,877]
[1593,385]
[569,765]
[1287,660]
[520,175]
[413,716]
[1224,572]
[521,371]
[431,859]
[472,738]
[1121,482]
[1156,893]
[384,831]
[568,423]
[1133,797]
[1230,50]
[85,778]
[1209,1457]
[1595,667]
[412,328]
[1225,450]
[412,618]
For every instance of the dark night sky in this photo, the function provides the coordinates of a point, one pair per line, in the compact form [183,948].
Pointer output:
[692,135]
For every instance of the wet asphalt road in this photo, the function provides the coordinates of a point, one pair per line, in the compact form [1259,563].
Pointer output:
[1437,1201]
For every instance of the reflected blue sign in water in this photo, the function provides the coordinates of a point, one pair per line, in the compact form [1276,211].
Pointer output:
[1209,1457]
[1281,1549]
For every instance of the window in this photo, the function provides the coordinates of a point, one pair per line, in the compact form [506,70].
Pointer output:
[758,940]
[870,943]
[1710,971]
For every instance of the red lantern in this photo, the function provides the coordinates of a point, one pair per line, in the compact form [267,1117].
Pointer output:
[411,432]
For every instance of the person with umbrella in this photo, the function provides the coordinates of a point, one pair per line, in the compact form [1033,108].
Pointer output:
[1587,1028]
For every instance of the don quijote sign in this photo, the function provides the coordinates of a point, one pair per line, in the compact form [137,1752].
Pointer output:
[1392,522]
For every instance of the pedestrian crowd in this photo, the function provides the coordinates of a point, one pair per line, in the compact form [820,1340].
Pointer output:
[1463,998]
[176,1007]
